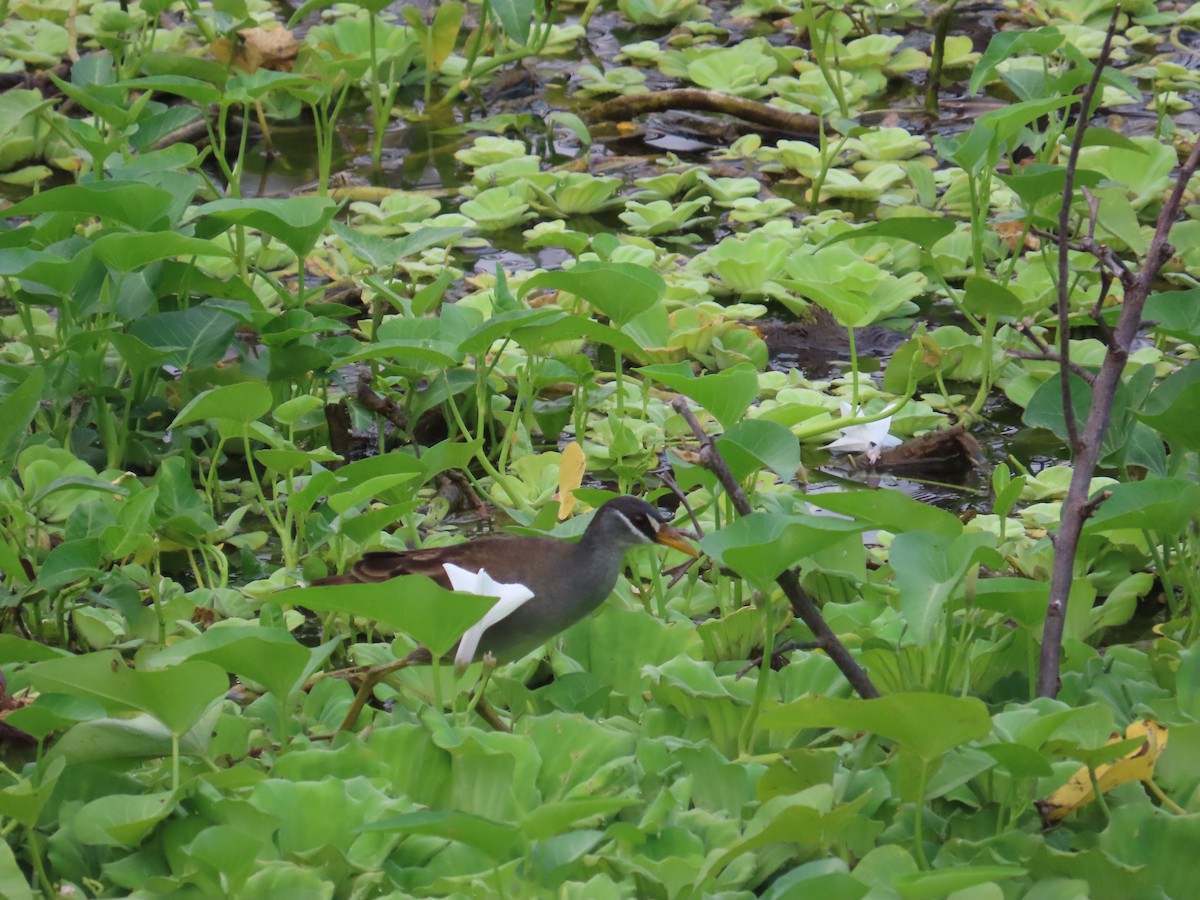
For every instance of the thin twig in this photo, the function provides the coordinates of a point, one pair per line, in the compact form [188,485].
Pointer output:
[777,655]
[1046,353]
[1105,255]
[1097,311]
[1064,224]
[1052,356]
[802,604]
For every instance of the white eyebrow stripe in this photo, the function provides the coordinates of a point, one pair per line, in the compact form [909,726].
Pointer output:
[637,532]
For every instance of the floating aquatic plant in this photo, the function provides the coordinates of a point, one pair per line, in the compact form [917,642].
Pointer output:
[663,217]
[496,209]
[660,12]
[617,80]
[574,193]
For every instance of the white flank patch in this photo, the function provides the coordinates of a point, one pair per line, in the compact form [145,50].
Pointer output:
[482,584]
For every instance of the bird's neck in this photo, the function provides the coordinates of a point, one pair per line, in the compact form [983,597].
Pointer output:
[596,560]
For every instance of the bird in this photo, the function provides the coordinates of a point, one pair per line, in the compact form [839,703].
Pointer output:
[565,580]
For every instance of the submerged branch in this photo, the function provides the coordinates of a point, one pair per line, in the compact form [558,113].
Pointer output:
[633,105]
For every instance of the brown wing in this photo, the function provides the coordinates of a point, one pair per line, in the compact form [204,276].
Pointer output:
[493,554]
[380,565]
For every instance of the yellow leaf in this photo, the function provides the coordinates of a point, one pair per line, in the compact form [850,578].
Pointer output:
[1137,765]
[570,476]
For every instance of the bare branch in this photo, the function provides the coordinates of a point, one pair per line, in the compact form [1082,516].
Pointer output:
[802,604]
[1078,506]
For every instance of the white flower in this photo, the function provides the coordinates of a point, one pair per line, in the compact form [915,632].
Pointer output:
[871,438]
[482,584]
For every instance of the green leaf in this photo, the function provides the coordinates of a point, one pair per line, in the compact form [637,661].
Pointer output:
[505,324]
[555,817]
[122,820]
[1095,136]
[549,859]
[126,252]
[200,92]
[269,656]
[245,402]
[297,221]
[762,545]
[12,881]
[927,724]
[890,510]
[944,882]
[23,801]
[516,17]
[140,206]
[294,460]
[797,822]
[828,879]
[69,562]
[1006,44]
[727,395]
[1162,506]
[1045,410]
[15,649]
[177,697]
[53,712]
[384,253]
[1175,313]
[447,22]
[1006,490]
[756,443]
[1008,120]
[984,297]
[1038,181]
[228,854]
[619,290]
[928,570]
[924,231]
[191,338]
[410,603]
[1173,408]
[572,123]
[719,705]
[16,412]
[78,483]
[1020,599]
[499,840]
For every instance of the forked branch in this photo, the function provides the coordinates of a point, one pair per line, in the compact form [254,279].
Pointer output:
[1086,445]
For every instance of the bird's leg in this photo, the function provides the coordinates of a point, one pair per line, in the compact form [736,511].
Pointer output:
[371,678]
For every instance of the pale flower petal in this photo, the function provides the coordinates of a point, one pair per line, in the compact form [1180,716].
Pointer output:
[871,438]
[511,596]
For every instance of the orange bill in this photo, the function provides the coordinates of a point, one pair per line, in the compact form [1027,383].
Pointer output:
[673,537]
